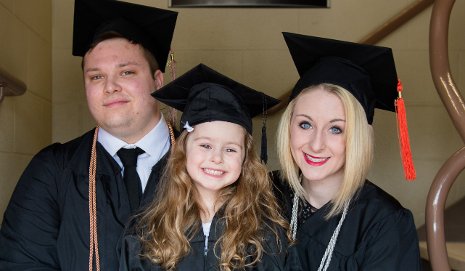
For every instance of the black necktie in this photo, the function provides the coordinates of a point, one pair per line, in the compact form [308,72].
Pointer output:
[131,178]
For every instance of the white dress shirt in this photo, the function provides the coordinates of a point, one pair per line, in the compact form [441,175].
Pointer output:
[155,144]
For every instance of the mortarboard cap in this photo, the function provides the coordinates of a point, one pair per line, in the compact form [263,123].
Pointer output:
[204,95]
[367,71]
[151,27]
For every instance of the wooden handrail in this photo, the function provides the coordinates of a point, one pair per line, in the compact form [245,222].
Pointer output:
[378,34]
[396,22]
[453,101]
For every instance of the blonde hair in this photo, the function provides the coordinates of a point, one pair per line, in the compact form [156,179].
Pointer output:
[359,148]
[250,210]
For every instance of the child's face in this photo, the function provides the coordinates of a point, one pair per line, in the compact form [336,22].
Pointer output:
[215,152]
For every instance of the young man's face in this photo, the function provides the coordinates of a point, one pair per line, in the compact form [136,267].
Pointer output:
[118,85]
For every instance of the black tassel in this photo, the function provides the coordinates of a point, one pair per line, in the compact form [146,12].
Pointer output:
[264,147]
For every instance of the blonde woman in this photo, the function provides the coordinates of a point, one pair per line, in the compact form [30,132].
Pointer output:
[340,220]
[215,209]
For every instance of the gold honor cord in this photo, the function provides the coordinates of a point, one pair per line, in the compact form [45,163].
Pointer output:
[93,245]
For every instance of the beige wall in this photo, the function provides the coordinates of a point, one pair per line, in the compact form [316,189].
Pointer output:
[25,121]
[247,45]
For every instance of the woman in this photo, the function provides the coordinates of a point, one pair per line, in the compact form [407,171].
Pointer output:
[215,209]
[340,220]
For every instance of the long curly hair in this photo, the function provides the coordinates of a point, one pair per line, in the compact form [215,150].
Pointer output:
[174,217]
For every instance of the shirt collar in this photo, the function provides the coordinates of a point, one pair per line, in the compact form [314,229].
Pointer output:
[153,143]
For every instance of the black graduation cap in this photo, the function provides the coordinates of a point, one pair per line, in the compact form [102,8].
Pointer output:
[151,27]
[204,95]
[367,71]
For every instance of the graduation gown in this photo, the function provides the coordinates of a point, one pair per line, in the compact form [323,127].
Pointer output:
[276,258]
[377,233]
[46,224]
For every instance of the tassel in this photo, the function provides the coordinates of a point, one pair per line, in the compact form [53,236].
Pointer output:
[402,130]
[172,113]
[264,143]
[172,65]
[264,147]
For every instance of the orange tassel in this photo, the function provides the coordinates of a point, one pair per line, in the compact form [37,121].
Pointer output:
[402,130]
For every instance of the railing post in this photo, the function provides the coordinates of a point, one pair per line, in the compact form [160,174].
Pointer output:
[453,102]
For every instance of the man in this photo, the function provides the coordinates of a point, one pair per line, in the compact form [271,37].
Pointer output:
[72,202]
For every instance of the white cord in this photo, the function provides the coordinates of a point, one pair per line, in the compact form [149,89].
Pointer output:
[326,260]
[295,208]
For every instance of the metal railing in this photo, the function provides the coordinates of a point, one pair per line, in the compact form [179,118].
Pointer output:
[453,101]
[10,86]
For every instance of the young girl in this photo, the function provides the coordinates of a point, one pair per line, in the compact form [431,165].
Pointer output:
[214,209]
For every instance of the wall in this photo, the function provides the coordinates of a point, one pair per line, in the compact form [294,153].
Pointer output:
[25,121]
[433,136]
[247,45]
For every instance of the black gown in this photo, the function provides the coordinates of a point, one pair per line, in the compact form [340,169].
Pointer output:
[276,258]
[46,224]
[377,233]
